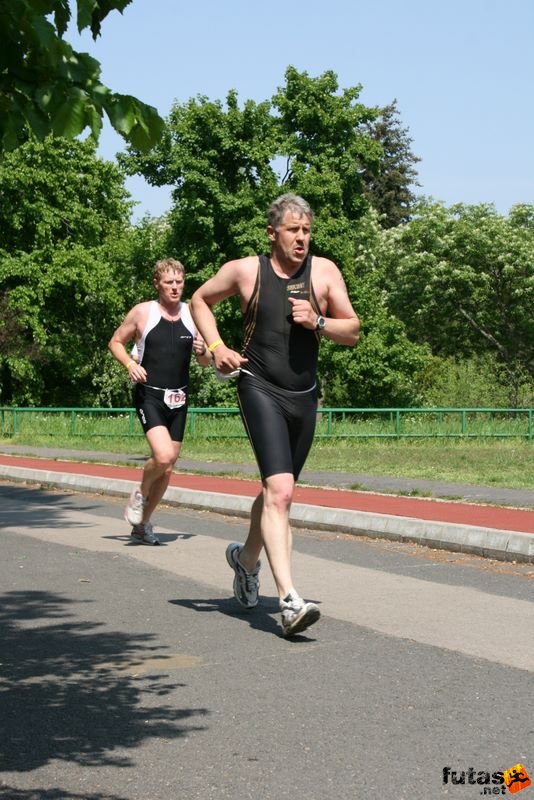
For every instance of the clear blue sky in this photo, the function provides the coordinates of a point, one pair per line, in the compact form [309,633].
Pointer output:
[462,72]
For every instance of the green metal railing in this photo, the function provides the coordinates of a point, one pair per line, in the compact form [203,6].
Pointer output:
[217,422]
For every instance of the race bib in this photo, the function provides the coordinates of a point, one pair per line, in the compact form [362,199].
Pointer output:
[174,398]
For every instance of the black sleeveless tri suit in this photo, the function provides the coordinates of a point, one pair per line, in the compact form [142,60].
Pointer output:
[277,387]
[165,350]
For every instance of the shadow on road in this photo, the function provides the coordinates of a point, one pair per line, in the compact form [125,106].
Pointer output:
[259,618]
[36,507]
[10,793]
[67,692]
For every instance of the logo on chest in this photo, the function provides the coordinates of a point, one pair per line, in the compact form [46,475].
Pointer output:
[297,290]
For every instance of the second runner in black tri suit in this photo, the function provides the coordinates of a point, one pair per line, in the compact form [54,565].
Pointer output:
[165,339]
[164,350]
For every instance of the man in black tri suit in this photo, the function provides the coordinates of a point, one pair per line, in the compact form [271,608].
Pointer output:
[284,298]
[165,338]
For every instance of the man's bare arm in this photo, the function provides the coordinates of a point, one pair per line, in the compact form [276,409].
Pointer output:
[342,325]
[225,283]
[124,334]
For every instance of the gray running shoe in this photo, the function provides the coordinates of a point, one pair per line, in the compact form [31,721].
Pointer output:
[246,584]
[133,513]
[144,534]
[297,615]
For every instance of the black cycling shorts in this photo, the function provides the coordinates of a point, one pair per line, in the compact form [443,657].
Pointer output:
[280,424]
[152,411]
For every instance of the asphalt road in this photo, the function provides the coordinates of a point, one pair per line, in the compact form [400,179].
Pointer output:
[129,673]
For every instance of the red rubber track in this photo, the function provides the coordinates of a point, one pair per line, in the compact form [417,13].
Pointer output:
[486,516]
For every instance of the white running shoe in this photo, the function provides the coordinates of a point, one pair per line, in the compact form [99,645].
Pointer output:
[297,615]
[133,513]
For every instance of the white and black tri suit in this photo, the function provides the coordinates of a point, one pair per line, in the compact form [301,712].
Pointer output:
[277,387]
[164,350]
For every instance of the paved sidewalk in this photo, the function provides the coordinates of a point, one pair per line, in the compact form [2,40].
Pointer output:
[496,531]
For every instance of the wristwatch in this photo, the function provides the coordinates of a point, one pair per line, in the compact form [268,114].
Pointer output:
[321,322]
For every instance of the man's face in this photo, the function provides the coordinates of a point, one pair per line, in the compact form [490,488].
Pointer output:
[170,286]
[291,240]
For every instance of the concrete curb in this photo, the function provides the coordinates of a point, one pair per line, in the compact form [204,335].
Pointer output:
[488,542]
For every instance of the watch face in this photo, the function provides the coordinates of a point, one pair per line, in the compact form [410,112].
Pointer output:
[320,323]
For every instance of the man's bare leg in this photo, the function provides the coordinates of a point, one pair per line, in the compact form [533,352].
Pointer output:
[269,520]
[269,527]
[250,552]
[158,469]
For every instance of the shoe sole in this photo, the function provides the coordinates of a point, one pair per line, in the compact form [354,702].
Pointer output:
[139,540]
[229,550]
[308,618]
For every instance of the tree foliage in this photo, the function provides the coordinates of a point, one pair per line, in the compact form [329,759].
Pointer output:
[462,280]
[218,161]
[46,87]
[390,189]
[478,381]
[227,163]
[62,308]
[61,210]
[322,139]
[58,192]
[386,368]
